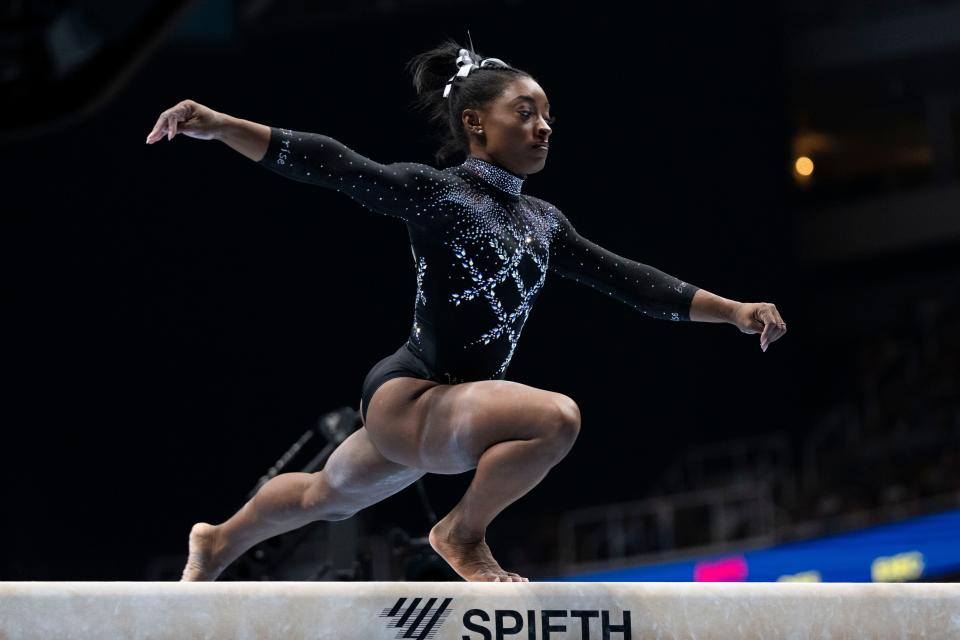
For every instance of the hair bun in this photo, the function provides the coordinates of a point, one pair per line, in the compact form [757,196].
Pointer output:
[431,73]
[493,62]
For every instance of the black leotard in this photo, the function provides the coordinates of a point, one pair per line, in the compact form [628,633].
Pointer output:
[481,249]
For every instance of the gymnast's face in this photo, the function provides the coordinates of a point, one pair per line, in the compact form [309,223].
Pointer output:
[508,130]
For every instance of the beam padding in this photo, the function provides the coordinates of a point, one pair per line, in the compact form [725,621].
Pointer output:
[482,611]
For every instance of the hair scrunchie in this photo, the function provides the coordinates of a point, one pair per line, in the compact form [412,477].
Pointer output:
[466,63]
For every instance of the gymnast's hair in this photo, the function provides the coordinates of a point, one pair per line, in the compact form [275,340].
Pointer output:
[431,70]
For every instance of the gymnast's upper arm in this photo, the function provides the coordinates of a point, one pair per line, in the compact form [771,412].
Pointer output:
[396,189]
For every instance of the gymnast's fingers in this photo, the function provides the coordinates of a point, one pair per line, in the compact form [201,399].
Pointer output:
[779,319]
[763,316]
[779,326]
[159,129]
[771,329]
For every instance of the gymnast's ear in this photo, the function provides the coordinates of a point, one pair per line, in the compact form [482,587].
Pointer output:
[471,119]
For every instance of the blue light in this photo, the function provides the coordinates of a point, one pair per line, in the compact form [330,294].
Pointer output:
[922,547]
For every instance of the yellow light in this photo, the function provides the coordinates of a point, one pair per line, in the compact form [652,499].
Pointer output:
[803,576]
[898,568]
[804,166]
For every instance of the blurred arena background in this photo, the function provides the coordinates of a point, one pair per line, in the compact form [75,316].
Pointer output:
[183,324]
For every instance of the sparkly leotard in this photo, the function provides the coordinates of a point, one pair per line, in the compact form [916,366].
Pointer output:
[481,249]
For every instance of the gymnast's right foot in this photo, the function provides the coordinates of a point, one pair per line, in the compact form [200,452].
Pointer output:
[203,561]
[469,557]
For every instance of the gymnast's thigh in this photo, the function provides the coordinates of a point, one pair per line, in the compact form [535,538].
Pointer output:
[443,428]
[359,472]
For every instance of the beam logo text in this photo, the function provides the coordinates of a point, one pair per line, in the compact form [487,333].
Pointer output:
[422,623]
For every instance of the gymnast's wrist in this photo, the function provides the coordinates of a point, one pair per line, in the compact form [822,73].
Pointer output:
[731,310]
[248,138]
[709,307]
[220,126]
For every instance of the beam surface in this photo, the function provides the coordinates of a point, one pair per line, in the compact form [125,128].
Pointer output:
[465,611]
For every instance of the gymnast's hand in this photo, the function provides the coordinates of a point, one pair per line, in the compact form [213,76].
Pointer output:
[189,118]
[762,318]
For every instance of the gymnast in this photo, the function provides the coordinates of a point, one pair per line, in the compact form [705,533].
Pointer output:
[482,249]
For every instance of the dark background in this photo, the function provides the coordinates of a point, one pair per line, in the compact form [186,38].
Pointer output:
[177,316]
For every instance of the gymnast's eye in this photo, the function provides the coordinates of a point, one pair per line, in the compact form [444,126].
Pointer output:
[527,114]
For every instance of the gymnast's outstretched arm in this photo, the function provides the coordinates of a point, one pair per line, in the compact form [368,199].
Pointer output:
[399,189]
[653,292]
[645,288]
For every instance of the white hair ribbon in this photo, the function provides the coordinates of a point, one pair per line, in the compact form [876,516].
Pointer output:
[466,64]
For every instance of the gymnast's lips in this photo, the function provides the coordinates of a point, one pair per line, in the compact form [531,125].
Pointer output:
[543,146]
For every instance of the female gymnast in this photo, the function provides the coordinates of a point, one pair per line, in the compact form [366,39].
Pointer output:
[482,249]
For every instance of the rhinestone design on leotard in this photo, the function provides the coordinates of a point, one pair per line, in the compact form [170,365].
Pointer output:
[488,247]
[504,260]
[421,271]
[497,176]
[421,298]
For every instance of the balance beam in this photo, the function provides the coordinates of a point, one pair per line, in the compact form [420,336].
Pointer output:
[468,611]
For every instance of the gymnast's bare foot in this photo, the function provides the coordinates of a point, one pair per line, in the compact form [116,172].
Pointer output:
[203,561]
[469,557]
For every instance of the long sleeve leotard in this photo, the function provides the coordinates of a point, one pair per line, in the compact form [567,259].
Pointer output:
[481,249]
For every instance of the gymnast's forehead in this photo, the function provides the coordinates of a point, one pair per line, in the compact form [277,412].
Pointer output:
[525,89]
